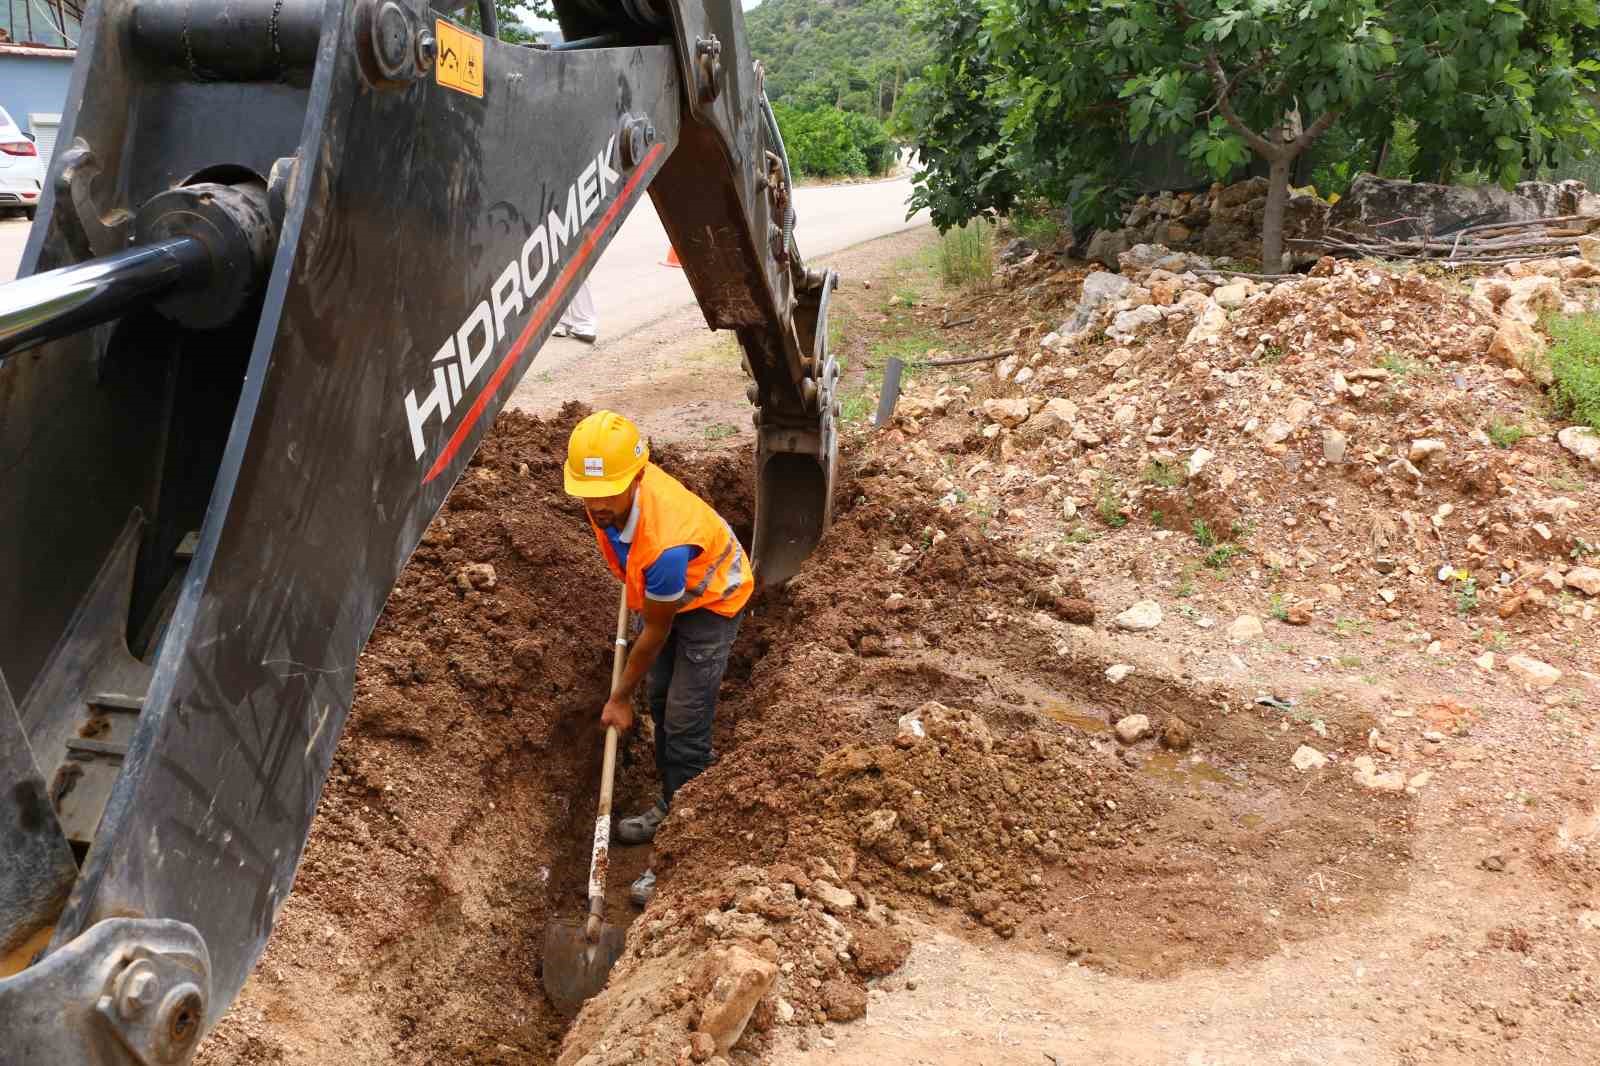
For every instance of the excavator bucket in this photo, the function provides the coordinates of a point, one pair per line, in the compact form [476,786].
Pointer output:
[291,259]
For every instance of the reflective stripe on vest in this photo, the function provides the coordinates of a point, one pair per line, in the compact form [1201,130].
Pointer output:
[670,515]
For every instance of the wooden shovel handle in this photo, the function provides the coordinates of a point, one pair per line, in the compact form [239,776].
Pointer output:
[600,858]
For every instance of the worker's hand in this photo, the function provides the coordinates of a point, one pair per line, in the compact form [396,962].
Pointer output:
[617,712]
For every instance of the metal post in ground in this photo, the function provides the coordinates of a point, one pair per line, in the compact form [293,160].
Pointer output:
[891,391]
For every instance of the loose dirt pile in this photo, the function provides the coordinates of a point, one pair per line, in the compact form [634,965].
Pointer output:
[1361,442]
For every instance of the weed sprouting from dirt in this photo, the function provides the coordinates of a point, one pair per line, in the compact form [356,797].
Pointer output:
[1167,475]
[1506,434]
[1108,503]
[1575,363]
[1203,534]
[966,255]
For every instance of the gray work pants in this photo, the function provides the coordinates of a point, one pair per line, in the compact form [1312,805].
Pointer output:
[682,693]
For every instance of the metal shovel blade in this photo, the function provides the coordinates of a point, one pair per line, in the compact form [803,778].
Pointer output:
[574,968]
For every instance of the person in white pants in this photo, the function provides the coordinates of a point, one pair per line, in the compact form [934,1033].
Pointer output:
[579,320]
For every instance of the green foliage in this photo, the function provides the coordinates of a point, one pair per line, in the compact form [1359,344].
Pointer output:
[1466,594]
[1278,608]
[966,255]
[1164,474]
[1203,534]
[954,112]
[1219,557]
[856,55]
[1575,362]
[1505,434]
[1108,503]
[509,16]
[1037,222]
[1046,95]
[827,142]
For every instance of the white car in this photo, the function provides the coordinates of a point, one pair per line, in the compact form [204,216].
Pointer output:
[21,177]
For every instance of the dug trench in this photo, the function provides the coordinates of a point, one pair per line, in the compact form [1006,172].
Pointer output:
[916,732]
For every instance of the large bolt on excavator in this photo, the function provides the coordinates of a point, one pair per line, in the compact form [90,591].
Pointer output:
[291,260]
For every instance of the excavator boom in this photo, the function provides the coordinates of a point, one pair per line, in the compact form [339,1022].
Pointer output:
[292,258]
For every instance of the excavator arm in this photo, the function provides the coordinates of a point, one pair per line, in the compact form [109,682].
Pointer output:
[292,258]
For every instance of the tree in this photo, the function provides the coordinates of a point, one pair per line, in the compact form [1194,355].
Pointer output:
[954,115]
[508,14]
[1491,83]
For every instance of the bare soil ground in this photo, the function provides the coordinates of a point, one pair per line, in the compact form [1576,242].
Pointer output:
[921,826]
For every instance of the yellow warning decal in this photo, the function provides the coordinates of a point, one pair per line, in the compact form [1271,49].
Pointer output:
[460,62]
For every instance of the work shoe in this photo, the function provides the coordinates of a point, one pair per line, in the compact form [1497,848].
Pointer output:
[642,889]
[641,828]
[587,338]
[560,331]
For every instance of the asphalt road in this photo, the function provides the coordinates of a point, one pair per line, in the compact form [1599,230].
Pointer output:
[631,288]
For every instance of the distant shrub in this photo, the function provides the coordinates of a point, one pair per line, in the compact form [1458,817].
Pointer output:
[826,142]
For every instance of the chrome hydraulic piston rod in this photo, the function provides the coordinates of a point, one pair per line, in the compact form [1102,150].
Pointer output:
[58,302]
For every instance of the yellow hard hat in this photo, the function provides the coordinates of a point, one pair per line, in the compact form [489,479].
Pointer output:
[604,453]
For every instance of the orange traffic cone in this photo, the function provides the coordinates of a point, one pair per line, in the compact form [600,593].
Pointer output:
[672,258]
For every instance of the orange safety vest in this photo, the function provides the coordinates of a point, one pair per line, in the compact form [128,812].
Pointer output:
[669,515]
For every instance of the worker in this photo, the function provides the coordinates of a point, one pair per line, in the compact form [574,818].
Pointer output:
[687,576]
[580,320]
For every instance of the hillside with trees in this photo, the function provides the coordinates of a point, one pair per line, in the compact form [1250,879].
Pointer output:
[836,73]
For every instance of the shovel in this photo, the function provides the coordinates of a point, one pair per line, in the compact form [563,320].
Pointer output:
[578,956]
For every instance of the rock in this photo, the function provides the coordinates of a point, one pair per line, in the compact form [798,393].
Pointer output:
[876,826]
[1530,299]
[880,951]
[1009,413]
[1133,728]
[1495,864]
[1484,662]
[1117,671]
[1532,672]
[738,981]
[1308,758]
[1107,245]
[1099,288]
[1424,449]
[949,725]
[1198,461]
[1176,734]
[1146,614]
[1582,442]
[1141,258]
[843,1001]
[475,576]
[1418,782]
[835,899]
[785,1012]
[1366,775]
[1586,579]
[1589,249]
[911,730]
[1518,345]
[1231,295]
[1298,615]
[1017,251]
[1210,324]
[1124,415]
[701,1047]
[1397,209]
[1245,628]
[1128,323]
[1334,443]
